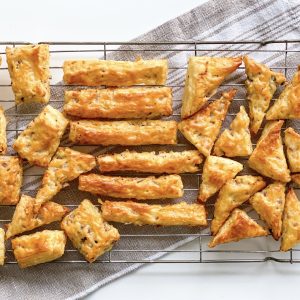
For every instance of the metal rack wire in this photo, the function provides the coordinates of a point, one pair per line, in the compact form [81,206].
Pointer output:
[263,250]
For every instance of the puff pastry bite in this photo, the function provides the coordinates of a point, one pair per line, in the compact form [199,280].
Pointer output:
[11,173]
[292,142]
[123,103]
[237,227]
[287,106]
[291,222]
[151,162]
[268,157]
[204,76]
[39,247]
[89,233]
[129,212]
[235,141]
[216,172]
[134,132]
[115,73]
[169,186]
[203,128]
[233,194]
[261,84]
[39,141]
[269,204]
[66,165]
[2,247]
[3,140]
[25,219]
[296,178]
[29,71]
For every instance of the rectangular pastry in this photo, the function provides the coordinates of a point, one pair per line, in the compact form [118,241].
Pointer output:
[151,162]
[169,186]
[2,247]
[96,72]
[39,247]
[89,233]
[3,140]
[182,214]
[39,141]
[134,132]
[29,71]
[10,179]
[123,103]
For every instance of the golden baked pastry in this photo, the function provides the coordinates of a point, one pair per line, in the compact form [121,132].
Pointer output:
[292,142]
[291,222]
[203,77]
[89,233]
[29,71]
[169,186]
[125,103]
[151,162]
[2,247]
[134,132]
[39,247]
[203,128]
[287,106]
[11,173]
[129,212]
[261,84]
[66,165]
[25,219]
[269,204]
[237,227]
[216,172]
[3,140]
[233,194]
[96,72]
[39,141]
[235,140]
[268,157]
[296,178]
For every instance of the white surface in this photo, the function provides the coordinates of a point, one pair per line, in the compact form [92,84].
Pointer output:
[120,21]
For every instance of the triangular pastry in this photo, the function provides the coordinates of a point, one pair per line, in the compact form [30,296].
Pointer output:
[291,222]
[203,128]
[269,204]
[292,142]
[233,194]
[203,77]
[24,218]
[66,165]
[237,227]
[261,85]
[235,141]
[216,171]
[287,106]
[296,179]
[268,157]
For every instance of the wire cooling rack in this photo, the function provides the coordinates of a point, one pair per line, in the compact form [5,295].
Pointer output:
[280,55]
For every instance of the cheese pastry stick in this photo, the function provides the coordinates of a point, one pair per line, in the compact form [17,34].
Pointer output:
[169,186]
[151,162]
[29,71]
[3,140]
[123,103]
[128,212]
[95,72]
[134,132]
[39,247]
[2,247]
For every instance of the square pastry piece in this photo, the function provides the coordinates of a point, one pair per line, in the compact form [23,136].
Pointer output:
[39,247]
[39,141]
[29,71]
[89,233]
[10,179]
